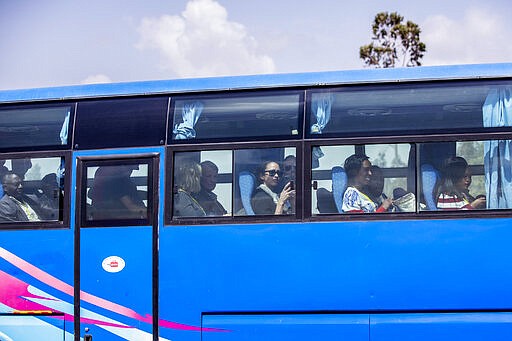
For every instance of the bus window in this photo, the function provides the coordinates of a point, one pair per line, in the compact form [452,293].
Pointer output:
[32,189]
[117,191]
[466,175]
[34,127]
[266,181]
[202,183]
[402,109]
[363,179]
[269,115]
[126,122]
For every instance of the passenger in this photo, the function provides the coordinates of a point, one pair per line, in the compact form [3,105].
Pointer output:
[264,199]
[375,187]
[187,181]
[453,193]
[358,169]
[205,197]
[14,205]
[21,167]
[49,198]
[114,195]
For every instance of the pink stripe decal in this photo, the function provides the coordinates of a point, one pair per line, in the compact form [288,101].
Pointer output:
[98,301]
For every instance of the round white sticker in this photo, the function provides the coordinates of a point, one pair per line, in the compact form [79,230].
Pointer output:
[113,264]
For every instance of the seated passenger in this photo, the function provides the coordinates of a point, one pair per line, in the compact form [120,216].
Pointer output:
[49,198]
[205,197]
[375,187]
[355,200]
[187,182]
[288,174]
[114,195]
[264,199]
[14,205]
[453,193]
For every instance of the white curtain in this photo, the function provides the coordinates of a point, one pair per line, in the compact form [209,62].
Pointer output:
[191,113]
[497,112]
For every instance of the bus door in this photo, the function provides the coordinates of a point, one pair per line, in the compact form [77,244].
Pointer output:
[117,215]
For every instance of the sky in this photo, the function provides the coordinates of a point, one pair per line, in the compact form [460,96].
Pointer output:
[48,43]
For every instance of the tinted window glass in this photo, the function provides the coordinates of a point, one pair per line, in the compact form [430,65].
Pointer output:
[406,109]
[32,189]
[121,123]
[21,128]
[117,191]
[237,116]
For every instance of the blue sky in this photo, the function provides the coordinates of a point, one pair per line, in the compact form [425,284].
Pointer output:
[63,42]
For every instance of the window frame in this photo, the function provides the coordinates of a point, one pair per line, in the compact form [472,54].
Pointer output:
[418,214]
[376,87]
[66,202]
[42,105]
[83,162]
[234,94]
[170,221]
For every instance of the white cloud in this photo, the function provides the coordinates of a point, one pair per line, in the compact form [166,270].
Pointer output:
[478,37]
[203,42]
[96,79]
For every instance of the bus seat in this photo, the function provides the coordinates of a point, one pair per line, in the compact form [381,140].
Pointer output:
[246,181]
[429,178]
[325,201]
[339,184]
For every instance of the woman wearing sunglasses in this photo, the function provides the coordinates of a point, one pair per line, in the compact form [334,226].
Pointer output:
[265,200]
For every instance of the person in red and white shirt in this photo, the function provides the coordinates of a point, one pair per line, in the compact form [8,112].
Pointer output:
[453,193]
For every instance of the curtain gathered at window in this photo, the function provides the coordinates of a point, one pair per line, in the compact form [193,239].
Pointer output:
[191,113]
[321,111]
[497,112]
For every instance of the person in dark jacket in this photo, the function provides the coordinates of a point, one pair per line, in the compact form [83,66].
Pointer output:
[14,205]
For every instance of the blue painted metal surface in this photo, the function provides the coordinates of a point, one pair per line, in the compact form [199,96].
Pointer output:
[351,270]
[287,327]
[259,81]
[441,327]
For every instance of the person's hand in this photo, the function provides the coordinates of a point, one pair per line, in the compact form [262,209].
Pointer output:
[387,203]
[286,193]
[479,202]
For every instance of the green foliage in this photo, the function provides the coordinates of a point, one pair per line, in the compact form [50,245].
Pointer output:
[394,43]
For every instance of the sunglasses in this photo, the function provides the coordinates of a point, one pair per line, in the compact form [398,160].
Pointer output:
[273,172]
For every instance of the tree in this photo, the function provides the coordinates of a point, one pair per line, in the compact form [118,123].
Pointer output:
[394,43]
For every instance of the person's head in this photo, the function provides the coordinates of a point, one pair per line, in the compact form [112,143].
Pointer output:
[269,173]
[358,169]
[187,176]
[466,181]
[209,174]
[456,173]
[376,184]
[289,165]
[126,170]
[49,184]
[21,167]
[12,185]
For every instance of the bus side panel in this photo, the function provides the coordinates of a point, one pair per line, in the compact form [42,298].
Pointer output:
[286,327]
[36,279]
[30,328]
[358,266]
[441,327]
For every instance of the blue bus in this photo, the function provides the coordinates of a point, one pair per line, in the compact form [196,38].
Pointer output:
[355,205]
